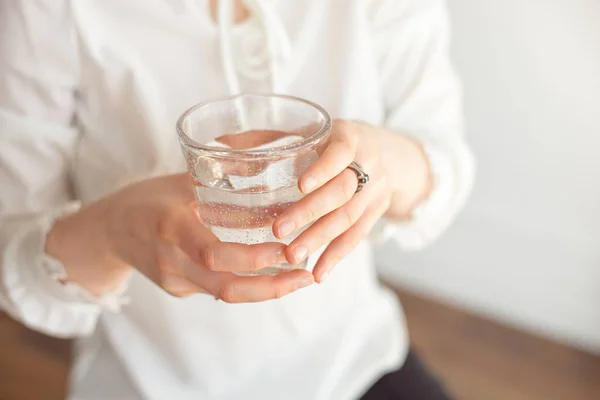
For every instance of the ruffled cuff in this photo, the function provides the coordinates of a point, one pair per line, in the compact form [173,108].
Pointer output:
[34,288]
[451,179]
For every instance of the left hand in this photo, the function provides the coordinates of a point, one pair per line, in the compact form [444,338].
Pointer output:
[340,215]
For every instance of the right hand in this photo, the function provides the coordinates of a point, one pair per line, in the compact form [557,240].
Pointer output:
[153,226]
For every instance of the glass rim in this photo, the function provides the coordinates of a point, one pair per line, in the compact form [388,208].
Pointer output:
[271,152]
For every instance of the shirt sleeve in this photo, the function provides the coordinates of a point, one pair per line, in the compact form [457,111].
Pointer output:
[423,99]
[38,80]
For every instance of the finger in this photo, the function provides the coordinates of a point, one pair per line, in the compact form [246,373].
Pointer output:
[333,195]
[180,287]
[336,157]
[205,249]
[238,257]
[346,242]
[171,262]
[238,289]
[232,288]
[330,226]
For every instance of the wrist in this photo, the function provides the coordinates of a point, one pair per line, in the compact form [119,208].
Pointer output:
[81,243]
[409,174]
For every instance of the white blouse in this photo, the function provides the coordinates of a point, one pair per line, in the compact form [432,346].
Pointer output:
[89,95]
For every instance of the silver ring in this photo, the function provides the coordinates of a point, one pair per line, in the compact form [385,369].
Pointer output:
[361,175]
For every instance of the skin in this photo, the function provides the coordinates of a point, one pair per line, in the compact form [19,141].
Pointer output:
[340,216]
[153,226]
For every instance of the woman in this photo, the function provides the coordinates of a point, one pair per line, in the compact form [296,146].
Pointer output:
[89,93]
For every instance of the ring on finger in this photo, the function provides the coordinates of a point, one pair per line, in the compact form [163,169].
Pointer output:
[361,175]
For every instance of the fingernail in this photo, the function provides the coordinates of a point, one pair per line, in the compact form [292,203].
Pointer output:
[324,276]
[285,228]
[300,252]
[305,282]
[308,184]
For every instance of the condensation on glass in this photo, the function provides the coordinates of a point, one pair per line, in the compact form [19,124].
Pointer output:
[245,154]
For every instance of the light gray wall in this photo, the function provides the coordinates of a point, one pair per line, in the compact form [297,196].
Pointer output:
[527,248]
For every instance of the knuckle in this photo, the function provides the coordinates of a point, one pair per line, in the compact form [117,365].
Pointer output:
[209,257]
[257,262]
[279,292]
[308,214]
[348,184]
[347,145]
[228,293]
[324,236]
[349,216]
[260,257]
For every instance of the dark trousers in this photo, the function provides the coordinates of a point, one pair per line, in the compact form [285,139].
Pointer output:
[411,382]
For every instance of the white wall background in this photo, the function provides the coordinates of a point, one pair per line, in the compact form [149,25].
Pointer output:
[527,248]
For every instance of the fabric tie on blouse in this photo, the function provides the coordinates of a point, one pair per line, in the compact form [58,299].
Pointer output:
[258,54]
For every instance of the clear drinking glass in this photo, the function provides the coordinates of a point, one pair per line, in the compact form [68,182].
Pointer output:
[245,154]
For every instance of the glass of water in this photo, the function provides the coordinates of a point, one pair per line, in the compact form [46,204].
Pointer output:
[245,154]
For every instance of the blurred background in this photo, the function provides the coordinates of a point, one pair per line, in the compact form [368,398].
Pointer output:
[506,306]
[526,250]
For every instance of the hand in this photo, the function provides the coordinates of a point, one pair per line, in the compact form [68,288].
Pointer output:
[340,215]
[153,226]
